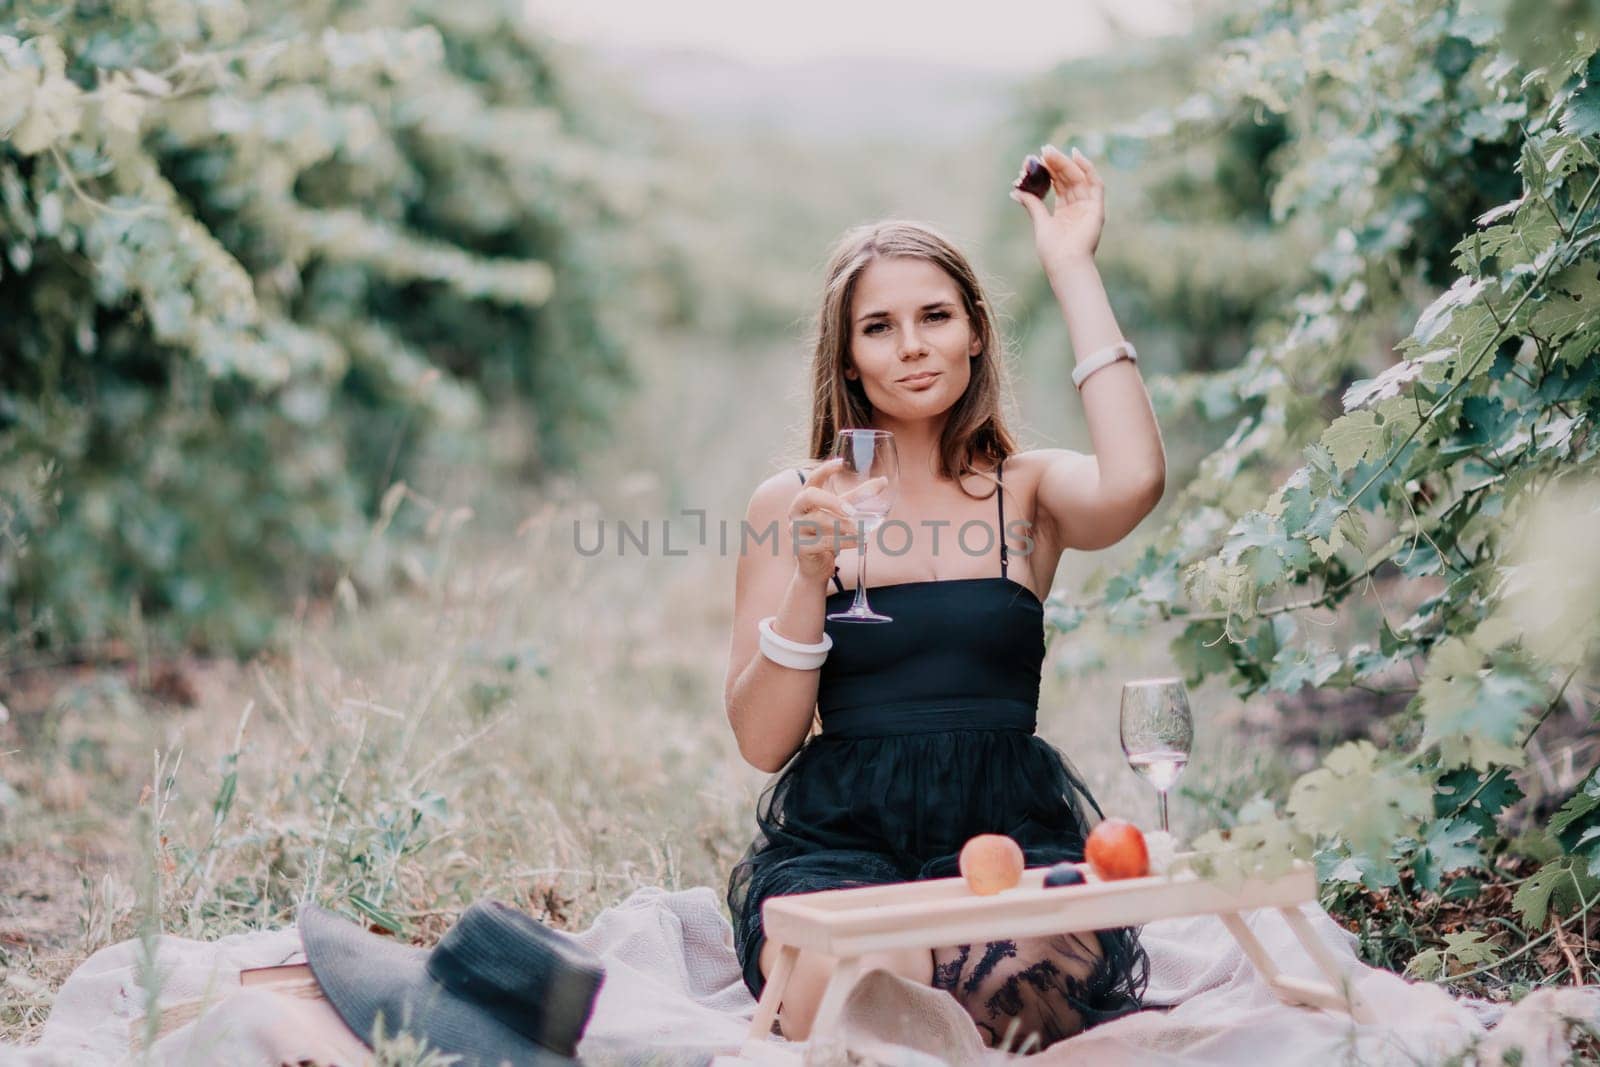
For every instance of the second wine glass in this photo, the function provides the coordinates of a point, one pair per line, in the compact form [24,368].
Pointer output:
[867,454]
[1157,732]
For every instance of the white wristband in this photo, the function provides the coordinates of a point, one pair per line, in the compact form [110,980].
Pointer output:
[790,653]
[1103,358]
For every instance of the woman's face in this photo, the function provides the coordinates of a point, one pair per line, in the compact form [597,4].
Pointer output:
[911,342]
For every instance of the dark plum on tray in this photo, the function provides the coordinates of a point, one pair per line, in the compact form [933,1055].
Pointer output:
[1063,874]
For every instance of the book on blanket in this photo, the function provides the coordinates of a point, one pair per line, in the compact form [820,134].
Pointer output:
[283,972]
[289,979]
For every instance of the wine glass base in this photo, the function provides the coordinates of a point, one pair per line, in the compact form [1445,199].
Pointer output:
[858,616]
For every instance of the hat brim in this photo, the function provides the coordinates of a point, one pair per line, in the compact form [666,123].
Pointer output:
[369,978]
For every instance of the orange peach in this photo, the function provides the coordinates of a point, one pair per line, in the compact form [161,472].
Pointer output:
[1116,849]
[990,863]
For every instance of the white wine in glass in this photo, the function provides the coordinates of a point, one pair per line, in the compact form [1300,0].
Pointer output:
[867,454]
[1157,732]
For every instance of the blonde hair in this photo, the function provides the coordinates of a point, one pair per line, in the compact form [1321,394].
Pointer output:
[976,429]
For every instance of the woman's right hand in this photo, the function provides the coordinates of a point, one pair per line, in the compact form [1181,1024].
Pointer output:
[816,514]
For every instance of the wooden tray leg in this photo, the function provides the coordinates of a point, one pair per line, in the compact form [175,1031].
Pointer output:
[1253,948]
[843,979]
[1338,984]
[772,993]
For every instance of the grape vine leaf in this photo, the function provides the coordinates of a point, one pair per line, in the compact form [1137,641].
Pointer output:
[1484,424]
[1436,317]
[1484,795]
[1557,886]
[1353,437]
[1577,824]
[1365,799]
[1579,805]
[1573,303]
[1474,716]
[1201,650]
[1386,385]
[1447,845]
[1295,667]
[1261,845]
[1465,947]
[1258,541]
[1582,115]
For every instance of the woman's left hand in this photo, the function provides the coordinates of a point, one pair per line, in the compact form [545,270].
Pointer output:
[1072,231]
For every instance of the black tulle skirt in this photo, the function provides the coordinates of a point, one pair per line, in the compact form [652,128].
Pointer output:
[854,811]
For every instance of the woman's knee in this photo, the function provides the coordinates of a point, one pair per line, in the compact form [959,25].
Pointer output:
[915,964]
[802,995]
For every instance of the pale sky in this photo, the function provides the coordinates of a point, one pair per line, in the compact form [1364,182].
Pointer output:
[1017,35]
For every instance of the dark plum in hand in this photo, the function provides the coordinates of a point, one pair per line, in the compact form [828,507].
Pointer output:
[1035,178]
[1063,874]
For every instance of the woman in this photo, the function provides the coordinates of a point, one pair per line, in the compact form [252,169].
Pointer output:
[927,722]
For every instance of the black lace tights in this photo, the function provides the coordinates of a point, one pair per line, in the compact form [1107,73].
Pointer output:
[1048,986]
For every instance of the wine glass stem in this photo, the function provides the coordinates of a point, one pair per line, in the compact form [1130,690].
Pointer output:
[861,565]
[1163,794]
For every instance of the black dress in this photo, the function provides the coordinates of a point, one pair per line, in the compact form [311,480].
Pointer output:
[928,739]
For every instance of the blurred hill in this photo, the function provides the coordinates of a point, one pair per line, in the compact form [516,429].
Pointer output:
[831,99]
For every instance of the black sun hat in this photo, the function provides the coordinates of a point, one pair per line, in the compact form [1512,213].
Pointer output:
[498,988]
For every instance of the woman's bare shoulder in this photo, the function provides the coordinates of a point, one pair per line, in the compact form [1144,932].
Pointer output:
[1025,472]
[1035,461]
[1032,466]
[774,492]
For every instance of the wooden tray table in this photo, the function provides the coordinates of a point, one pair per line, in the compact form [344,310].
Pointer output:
[848,923]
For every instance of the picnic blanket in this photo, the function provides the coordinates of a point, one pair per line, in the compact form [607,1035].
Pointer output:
[674,994]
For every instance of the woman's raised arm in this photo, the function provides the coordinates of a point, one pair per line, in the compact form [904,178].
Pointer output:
[1093,500]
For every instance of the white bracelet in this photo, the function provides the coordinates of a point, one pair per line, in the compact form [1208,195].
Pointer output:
[1103,358]
[790,653]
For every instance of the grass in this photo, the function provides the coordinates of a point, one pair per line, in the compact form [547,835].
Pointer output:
[478,736]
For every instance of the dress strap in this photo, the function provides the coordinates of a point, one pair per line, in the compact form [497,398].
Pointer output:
[802,476]
[1000,497]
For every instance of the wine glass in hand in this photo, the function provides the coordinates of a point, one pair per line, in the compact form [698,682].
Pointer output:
[868,455]
[1157,732]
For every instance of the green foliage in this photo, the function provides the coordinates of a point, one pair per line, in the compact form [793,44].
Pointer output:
[253,260]
[1577,825]
[1190,251]
[1466,948]
[1447,158]
[1561,884]
[1364,803]
[1449,845]
[1261,843]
